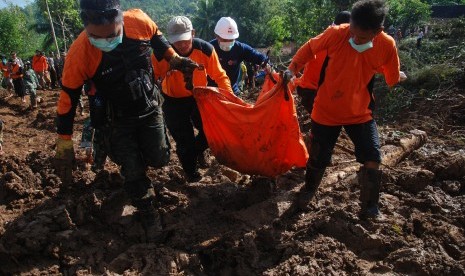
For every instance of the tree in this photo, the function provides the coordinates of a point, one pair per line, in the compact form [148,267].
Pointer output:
[65,18]
[14,32]
[203,21]
[406,14]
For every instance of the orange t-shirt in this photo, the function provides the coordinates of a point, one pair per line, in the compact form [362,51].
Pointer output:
[343,98]
[39,63]
[204,54]
[311,75]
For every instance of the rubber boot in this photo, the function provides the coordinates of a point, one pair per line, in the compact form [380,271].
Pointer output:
[370,185]
[313,177]
[149,216]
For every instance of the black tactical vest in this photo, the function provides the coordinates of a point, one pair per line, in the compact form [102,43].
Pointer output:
[125,79]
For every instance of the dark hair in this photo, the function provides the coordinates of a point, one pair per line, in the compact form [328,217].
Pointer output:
[369,14]
[342,17]
[100,12]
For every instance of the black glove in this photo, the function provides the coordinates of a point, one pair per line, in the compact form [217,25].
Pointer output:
[186,66]
[183,64]
[287,76]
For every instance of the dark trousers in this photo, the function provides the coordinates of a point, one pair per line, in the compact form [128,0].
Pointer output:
[307,97]
[182,115]
[20,89]
[323,139]
[419,42]
[53,77]
[135,144]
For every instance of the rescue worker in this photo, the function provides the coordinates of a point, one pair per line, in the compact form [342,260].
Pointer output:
[356,52]
[314,71]
[116,57]
[17,77]
[18,60]
[180,109]
[5,66]
[39,65]
[31,82]
[232,52]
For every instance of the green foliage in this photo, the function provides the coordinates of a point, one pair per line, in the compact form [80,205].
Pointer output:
[66,21]
[15,35]
[204,20]
[436,66]
[406,14]
[306,19]
[449,29]
[261,23]
[161,11]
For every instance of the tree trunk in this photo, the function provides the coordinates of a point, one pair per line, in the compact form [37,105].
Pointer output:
[391,155]
[53,29]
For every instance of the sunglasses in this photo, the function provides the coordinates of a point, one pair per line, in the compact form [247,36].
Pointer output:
[90,15]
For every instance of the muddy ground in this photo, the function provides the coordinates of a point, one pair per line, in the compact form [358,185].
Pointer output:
[229,223]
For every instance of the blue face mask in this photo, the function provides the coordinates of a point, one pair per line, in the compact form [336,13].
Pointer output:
[107,44]
[4,61]
[226,46]
[362,47]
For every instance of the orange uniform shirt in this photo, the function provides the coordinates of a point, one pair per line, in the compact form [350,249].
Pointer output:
[343,98]
[16,71]
[39,63]
[204,54]
[311,75]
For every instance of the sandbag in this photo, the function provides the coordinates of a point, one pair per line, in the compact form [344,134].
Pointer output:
[259,139]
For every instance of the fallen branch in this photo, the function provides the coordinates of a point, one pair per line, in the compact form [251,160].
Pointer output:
[391,155]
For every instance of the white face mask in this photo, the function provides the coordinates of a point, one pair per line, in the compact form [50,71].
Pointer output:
[362,47]
[107,44]
[226,46]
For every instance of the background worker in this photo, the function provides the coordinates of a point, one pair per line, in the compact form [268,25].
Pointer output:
[232,52]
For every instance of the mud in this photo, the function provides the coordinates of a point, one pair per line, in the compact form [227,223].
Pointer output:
[229,223]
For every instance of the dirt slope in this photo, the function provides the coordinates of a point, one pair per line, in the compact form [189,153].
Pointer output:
[228,223]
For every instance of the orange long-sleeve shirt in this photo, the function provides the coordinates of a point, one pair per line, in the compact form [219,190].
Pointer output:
[343,98]
[312,71]
[39,63]
[204,54]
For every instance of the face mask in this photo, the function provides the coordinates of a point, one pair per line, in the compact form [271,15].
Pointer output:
[362,47]
[4,61]
[107,44]
[226,46]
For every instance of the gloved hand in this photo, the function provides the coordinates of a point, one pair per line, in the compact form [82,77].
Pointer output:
[186,66]
[64,160]
[287,77]
[268,69]
[182,64]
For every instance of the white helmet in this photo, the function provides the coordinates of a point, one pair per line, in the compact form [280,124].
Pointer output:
[226,28]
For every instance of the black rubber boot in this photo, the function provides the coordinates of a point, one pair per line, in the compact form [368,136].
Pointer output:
[370,186]
[313,177]
[149,217]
